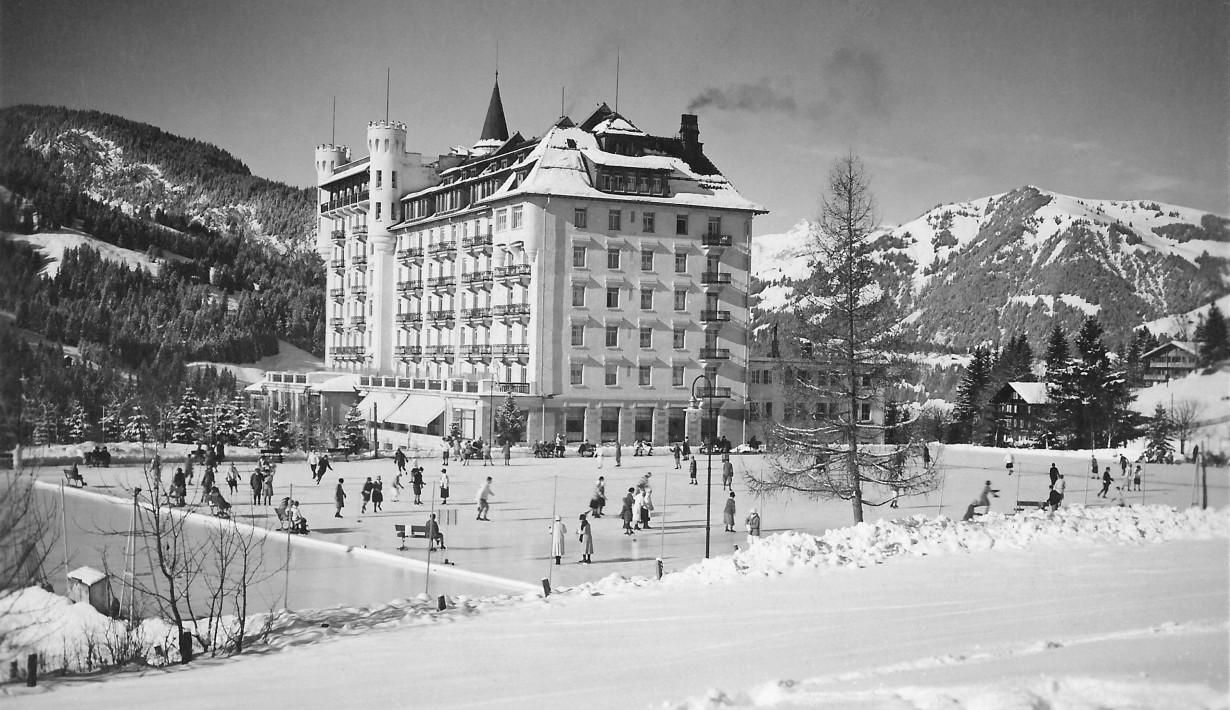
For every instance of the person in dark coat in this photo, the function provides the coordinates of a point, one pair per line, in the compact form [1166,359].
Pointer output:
[1054,474]
[728,513]
[692,472]
[366,492]
[434,536]
[586,538]
[207,483]
[399,459]
[339,498]
[687,448]
[1106,481]
[257,481]
[626,513]
[728,474]
[619,454]
[416,484]
[179,487]
[377,494]
[322,467]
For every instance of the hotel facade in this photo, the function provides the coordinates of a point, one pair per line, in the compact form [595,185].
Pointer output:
[593,273]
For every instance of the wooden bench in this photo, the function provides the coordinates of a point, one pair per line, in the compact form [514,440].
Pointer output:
[415,531]
[274,455]
[343,454]
[75,480]
[1023,505]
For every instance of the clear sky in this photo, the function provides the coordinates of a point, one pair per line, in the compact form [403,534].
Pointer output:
[945,100]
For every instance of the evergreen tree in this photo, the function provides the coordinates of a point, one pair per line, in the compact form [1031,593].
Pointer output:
[1159,449]
[76,424]
[44,430]
[136,426]
[187,422]
[1056,350]
[969,395]
[1090,397]
[354,434]
[111,424]
[1212,338]
[509,421]
[277,435]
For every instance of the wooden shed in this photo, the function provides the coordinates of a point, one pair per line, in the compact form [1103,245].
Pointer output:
[86,584]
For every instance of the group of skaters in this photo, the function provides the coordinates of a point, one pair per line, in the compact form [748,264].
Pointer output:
[467,450]
[1058,486]
[261,482]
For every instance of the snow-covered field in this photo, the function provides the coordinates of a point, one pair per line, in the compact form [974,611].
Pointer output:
[54,243]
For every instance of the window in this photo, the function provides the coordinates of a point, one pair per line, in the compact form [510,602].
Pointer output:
[866,380]
[677,338]
[864,411]
[647,260]
[681,299]
[501,220]
[768,377]
[646,336]
[681,224]
[576,372]
[677,375]
[516,217]
[612,336]
[378,208]
[578,335]
[612,258]
[393,179]
[681,262]
[611,375]
[612,297]
[378,178]
[768,410]
[655,186]
[644,184]
[647,222]
[755,377]
[643,375]
[578,257]
[578,295]
[715,225]
[804,377]
[614,220]
[647,299]
[580,217]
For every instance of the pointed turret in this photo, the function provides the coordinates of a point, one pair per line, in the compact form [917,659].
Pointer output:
[495,127]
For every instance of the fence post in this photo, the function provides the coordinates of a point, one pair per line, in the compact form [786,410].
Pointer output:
[441,603]
[546,587]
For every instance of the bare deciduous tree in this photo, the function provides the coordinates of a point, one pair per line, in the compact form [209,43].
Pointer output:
[1185,418]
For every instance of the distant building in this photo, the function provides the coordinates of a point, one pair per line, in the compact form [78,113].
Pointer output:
[593,272]
[1170,361]
[771,400]
[1020,408]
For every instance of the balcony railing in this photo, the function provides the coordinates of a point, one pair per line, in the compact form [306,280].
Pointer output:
[514,271]
[515,387]
[359,322]
[359,292]
[476,350]
[715,353]
[441,281]
[339,235]
[715,277]
[337,294]
[338,264]
[359,262]
[715,240]
[714,316]
[407,351]
[439,350]
[512,309]
[475,313]
[476,242]
[410,318]
[715,392]
[349,352]
[437,316]
[410,254]
[478,278]
[360,233]
[446,248]
[410,286]
[345,201]
[337,323]
[511,349]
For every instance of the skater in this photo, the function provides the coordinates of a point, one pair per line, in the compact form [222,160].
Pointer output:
[1106,481]
[434,536]
[444,453]
[1136,478]
[232,479]
[557,539]
[1061,488]
[313,462]
[443,488]
[256,480]
[339,499]
[598,499]
[1009,462]
[586,538]
[625,514]
[487,454]
[687,449]
[366,492]
[984,499]
[484,497]
[268,487]
[399,458]
[676,452]
[397,487]
[207,484]
[507,453]
[1123,466]
[179,488]
[1054,474]
[728,475]
[692,472]
[619,454]
[1093,465]
[377,495]
[416,484]
[753,527]
[643,508]
[728,513]
[322,468]
[1053,499]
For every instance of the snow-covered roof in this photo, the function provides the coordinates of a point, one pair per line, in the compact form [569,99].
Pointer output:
[1185,346]
[87,575]
[617,124]
[255,387]
[341,383]
[1031,392]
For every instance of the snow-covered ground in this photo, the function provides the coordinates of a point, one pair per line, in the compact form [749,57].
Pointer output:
[55,242]
[288,359]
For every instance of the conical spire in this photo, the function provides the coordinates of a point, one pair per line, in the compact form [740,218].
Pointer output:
[495,127]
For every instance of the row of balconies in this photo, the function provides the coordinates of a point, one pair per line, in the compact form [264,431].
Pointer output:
[480,243]
[359,261]
[349,352]
[359,233]
[505,351]
[505,312]
[345,201]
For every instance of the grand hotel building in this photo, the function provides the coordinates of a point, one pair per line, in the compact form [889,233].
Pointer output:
[594,272]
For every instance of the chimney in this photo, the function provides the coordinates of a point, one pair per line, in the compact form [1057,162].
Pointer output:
[689,132]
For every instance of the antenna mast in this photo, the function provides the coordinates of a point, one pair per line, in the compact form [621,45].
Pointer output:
[561,101]
[617,80]
[333,133]
[388,77]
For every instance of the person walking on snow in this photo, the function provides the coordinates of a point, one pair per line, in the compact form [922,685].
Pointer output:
[339,498]
[1136,478]
[322,468]
[619,454]
[676,452]
[728,513]
[1123,466]
[483,500]
[1054,474]
[598,499]
[416,484]
[753,527]
[377,494]
[692,472]
[443,488]
[313,461]
[1093,465]
[586,539]
[625,514]
[507,452]
[728,475]
[1106,481]
[232,479]
[1009,462]
[366,492]
[557,539]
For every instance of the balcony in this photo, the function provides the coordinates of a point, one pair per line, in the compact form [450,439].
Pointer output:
[715,353]
[476,351]
[514,387]
[338,236]
[345,200]
[359,262]
[715,277]
[359,233]
[359,292]
[406,352]
[513,350]
[478,242]
[410,255]
[409,319]
[716,240]
[512,310]
[476,313]
[714,392]
[337,294]
[338,265]
[438,282]
[349,352]
[439,352]
[445,249]
[715,316]
[478,279]
[337,323]
[358,322]
[410,287]
[516,271]
[440,316]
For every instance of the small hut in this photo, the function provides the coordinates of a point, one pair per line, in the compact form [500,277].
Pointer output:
[86,584]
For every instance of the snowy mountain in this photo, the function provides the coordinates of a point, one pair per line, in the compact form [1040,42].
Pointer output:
[1034,258]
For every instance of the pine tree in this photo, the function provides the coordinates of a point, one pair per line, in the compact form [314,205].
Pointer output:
[44,429]
[111,424]
[1212,337]
[1056,356]
[136,426]
[277,435]
[1090,397]
[78,427]
[354,434]
[969,394]
[187,423]
[1159,448]
[509,422]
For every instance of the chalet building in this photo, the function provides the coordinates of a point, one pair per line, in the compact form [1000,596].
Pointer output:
[1020,408]
[773,399]
[593,273]
[1169,362]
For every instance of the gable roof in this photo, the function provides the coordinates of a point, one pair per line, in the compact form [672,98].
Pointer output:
[1183,345]
[1029,392]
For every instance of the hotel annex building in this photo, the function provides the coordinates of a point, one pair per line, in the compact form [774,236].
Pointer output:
[594,273]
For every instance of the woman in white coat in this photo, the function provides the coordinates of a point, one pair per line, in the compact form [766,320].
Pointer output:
[587,540]
[558,531]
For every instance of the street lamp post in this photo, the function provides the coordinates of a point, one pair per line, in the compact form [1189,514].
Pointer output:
[709,468]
